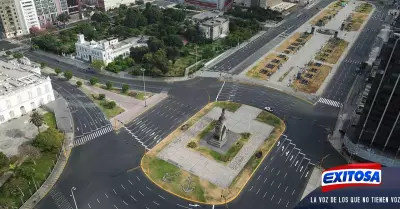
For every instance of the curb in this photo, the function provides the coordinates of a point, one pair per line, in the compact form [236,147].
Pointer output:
[240,190]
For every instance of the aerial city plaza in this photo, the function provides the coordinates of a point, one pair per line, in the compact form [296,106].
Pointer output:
[193,104]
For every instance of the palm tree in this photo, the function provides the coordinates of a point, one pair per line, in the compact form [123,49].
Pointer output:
[36,119]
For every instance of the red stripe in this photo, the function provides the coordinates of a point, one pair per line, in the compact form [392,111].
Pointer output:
[340,186]
[356,166]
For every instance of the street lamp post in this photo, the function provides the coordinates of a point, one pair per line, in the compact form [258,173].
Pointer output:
[73,197]
[144,88]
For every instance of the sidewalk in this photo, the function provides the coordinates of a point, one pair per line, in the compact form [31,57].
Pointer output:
[133,107]
[61,111]
[313,183]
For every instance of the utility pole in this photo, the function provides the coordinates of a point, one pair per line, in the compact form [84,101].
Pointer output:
[144,88]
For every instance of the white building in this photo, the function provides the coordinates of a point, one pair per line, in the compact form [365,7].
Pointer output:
[48,10]
[104,50]
[111,4]
[215,28]
[22,89]
[28,12]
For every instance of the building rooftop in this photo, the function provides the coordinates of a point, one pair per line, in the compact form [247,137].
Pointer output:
[215,21]
[117,45]
[15,76]
[207,15]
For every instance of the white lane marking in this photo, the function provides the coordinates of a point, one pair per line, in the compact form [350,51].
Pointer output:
[141,193]
[286,189]
[183,206]
[258,191]
[279,185]
[138,178]
[272,183]
[133,198]
[258,177]
[287,203]
[265,194]
[216,99]
[148,188]
[265,179]
[114,191]
[122,186]
[115,207]
[98,201]
[161,197]
[89,205]
[130,182]
[293,192]
[125,202]
[156,203]
[279,201]
[272,196]
[250,188]
[285,175]
[106,195]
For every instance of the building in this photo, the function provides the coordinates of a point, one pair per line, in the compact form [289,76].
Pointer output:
[22,89]
[105,50]
[215,28]
[374,134]
[17,17]
[111,4]
[207,15]
[48,10]
[211,4]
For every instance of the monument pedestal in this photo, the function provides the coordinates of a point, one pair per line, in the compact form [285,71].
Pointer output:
[218,139]
[218,142]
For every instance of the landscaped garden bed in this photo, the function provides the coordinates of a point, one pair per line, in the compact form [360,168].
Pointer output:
[332,50]
[294,43]
[267,66]
[312,78]
[354,22]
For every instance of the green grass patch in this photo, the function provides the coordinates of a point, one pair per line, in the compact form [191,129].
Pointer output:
[207,130]
[50,120]
[268,118]
[230,106]
[42,170]
[364,8]
[103,105]
[163,167]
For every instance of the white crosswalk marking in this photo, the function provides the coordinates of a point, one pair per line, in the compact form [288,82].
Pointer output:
[330,102]
[59,199]
[82,140]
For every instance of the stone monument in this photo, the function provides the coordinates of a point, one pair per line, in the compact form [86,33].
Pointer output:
[218,139]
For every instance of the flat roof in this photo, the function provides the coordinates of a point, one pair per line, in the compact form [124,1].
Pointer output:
[210,14]
[15,76]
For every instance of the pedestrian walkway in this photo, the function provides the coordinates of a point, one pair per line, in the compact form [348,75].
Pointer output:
[86,138]
[133,107]
[313,183]
[330,102]
[59,108]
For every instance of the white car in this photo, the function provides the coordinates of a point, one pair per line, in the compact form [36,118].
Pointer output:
[268,109]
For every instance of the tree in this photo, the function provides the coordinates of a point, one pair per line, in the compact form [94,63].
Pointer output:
[34,47]
[43,65]
[63,17]
[111,104]
[49,140]
[36,119]
[24,172]
[160,61]
[14,186]
[208,52]
[79,83]
[34,30]
[4,161]
[6,203]
[58,71]
[125,88]
[93,81]
[109,85]
[18,55]
[155,44]
[30,151]
[173,40]
[68,75]
[139,2]
[101,97]
[97,65]
[8,53]
[173,53]
[100,17]
[137,53]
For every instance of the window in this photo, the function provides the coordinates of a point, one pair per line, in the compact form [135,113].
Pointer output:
[12,114]
[30,94]
[8,103]
[47,89]
[2,118]
[39,91]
